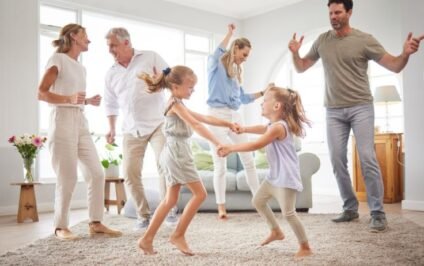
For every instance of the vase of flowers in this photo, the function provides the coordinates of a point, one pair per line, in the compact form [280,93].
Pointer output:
[28,146]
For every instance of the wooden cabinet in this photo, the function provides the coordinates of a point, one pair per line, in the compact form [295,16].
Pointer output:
[388,148]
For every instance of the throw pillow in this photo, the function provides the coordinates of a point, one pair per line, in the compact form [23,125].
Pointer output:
[261,161]
[202,158]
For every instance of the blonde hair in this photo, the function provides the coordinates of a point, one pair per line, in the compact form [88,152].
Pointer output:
[293,112]
[228,59]
[168,77]
[64,42]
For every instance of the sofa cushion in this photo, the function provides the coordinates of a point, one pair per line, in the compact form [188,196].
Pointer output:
[261,161]
[203,157]
[207,179]
[203,160]
[241,178]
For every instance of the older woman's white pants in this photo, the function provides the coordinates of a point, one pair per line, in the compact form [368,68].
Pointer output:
[226,136]
[71,145]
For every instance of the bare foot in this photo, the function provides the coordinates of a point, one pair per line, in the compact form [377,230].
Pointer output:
[222,216]
[181,244]
[222,212]
[146,246]
[275,234]
[304,251]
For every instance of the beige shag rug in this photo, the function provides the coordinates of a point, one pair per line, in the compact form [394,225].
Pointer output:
[235,242]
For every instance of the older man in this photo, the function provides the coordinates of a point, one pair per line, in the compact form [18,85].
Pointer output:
[142,115]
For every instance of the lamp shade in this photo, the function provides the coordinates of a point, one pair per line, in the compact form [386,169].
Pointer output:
[384,94]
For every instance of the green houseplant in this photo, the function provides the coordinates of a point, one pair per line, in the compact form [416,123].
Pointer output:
[111,157]
[111,160]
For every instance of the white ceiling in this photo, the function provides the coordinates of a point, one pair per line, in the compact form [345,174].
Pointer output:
[239,9]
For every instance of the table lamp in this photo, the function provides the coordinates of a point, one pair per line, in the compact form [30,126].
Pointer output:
[386,94]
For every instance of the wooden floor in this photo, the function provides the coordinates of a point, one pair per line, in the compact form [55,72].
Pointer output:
[16,235]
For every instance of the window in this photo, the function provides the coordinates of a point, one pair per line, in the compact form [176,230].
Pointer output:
[380,76]
[197,49]
[54,16]
[173,44]
[51,19]
[310,85]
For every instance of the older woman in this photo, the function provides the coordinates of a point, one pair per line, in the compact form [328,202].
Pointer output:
[63,87]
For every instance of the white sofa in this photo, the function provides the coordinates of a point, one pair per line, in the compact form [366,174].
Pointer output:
[238,196]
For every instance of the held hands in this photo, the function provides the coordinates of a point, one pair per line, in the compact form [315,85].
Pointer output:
[95,100]
[223,150]
[294,45]
[236,128]
[412,44]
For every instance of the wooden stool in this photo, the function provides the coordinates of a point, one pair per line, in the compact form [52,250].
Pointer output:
[27,202]
[121,197]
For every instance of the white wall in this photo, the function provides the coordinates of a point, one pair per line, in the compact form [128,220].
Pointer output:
[18,67]
[389,21]
[413,93]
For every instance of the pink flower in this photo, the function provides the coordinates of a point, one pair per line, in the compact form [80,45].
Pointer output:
[37,141]
[12,139]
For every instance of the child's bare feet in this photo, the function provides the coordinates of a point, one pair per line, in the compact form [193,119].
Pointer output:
[181,244]
[276,234]
[222,212]
[222,216]
[146,246]
[304,251]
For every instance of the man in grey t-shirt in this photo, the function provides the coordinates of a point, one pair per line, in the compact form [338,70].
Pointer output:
[345,53]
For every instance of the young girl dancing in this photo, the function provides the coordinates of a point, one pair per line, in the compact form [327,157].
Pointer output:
[176,158]
[283,108]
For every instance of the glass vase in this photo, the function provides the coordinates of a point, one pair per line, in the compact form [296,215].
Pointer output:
[29,170]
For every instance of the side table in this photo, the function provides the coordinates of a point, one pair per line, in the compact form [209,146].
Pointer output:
[27,202]
[121,197]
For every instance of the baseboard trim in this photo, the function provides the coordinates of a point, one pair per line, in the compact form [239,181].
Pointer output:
[413,205]
[41,207]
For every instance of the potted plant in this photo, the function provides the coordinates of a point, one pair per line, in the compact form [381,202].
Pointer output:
[111,161]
